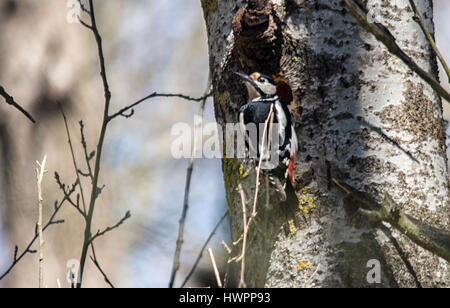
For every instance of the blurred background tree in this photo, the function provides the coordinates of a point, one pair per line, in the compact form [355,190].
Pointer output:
[149,45]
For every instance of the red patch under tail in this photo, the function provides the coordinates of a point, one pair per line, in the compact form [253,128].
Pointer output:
[291,170]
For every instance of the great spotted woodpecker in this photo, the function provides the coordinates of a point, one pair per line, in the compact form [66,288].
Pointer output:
[262,98]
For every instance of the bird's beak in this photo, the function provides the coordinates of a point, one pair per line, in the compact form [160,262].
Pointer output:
[246,78]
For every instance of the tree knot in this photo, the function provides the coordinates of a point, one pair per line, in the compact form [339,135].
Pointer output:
[256,33]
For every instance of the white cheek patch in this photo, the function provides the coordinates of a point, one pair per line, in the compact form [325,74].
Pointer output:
[271,89]
[252,93]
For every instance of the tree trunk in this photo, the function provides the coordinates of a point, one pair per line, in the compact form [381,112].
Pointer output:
[361,116]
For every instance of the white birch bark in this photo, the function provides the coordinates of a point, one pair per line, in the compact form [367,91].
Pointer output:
[366,120]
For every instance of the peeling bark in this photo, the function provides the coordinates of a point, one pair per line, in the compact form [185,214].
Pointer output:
[366,119]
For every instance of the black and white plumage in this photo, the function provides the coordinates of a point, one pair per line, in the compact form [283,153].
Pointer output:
[263,98]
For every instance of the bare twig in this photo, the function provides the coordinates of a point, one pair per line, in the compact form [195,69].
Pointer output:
[268,122]
[383,35]
[95,190]
[96,263]
[17,258]
[203,249]
[75,165]
[109,229]
[40,177]
[311,277]
[122,112]
[226,247]
[216,271]
[418,18]
[84,23]
[10,100]
[244,236]
[69,199]
[83,7]
[190,168]
[87,156]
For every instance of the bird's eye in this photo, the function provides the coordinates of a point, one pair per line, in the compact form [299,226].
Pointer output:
[261,79]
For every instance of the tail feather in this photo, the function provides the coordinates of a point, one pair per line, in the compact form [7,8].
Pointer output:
[278,186]
[291,197]
[285,192]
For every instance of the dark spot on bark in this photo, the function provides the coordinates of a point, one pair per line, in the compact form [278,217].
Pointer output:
[351,162]
[371,165]
[333,42]
[324,66]
[344,116]
[368,47]
[294,5]
[344,82]
[257,4]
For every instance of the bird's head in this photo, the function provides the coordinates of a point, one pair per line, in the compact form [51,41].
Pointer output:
[258,85]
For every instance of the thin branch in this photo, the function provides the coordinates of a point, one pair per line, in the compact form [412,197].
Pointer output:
[418,18]
[83,7]
[244,236]
[10,101]
[312,276]
[40,177]
[190,168]
[214,264]
[74,161]
[84,23]
[226,247]
[197,261]
[383,35]
[430,238]
[94,190]
[17,258]
[267,122]
[123,111]
[109,229]
[96,263]
[87,156]
[87,175]
[66,195]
